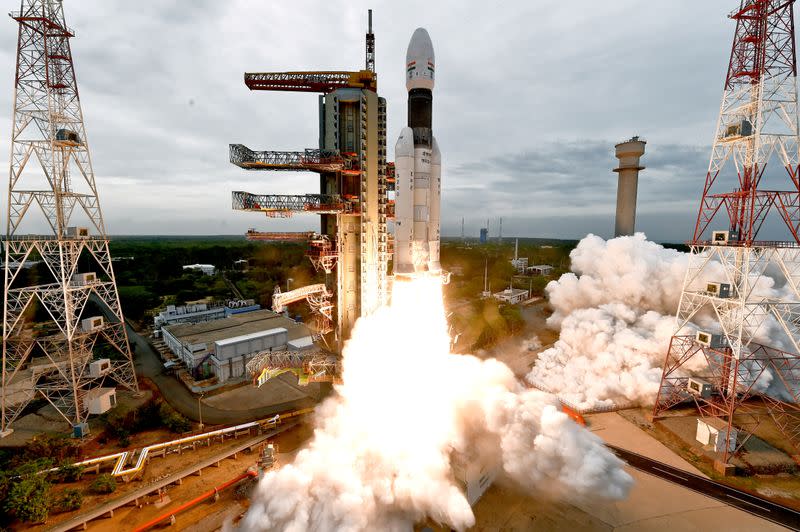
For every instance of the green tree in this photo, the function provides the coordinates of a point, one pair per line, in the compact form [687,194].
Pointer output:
[124,438]
[29,499]
[512,315]
[68,473]
[173,420]
[68,500]
[103,484]
[56,447]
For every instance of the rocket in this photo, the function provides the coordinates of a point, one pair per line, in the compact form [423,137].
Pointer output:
[418,169]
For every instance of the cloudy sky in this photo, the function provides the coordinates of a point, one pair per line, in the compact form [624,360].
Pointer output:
[529,100]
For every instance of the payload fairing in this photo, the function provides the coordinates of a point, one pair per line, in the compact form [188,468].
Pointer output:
[418,169]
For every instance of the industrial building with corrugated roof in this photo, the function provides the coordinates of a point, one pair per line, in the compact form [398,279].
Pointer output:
[223,347]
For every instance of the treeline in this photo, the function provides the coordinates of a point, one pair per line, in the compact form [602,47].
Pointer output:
[468,264]
[150,272]
[28,496]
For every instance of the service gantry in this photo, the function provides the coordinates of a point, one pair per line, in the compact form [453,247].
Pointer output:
[353,200]
[742,365]
[60,302]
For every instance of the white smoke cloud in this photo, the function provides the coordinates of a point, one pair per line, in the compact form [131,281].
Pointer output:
[616,315]
[632,271]
[606,355]
[380,458]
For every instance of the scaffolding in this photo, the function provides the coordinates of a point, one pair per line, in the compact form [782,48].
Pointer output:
[288,204]
[49,140]
[355,182]
[256,236]
[324,82]
[319,301]
[309,366]
[311,160]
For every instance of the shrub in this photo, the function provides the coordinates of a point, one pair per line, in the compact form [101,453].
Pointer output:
[29,499]
[103,484]
[70,499]
[59,448]
[122,426]
[124,438]
[173,420]
[68,473]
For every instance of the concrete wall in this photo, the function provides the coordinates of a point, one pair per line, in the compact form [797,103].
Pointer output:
[247,344]
[232,368]
[185,353]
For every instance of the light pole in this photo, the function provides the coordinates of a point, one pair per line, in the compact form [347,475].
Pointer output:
[288,281]
[200,409]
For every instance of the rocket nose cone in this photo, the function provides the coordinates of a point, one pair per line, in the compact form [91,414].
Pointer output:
[420,45]
[420,63]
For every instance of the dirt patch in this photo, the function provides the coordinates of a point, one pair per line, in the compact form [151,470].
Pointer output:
[503,508]
[281,389]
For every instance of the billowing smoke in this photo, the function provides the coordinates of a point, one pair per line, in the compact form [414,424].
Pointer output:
[381,454]
[616,315]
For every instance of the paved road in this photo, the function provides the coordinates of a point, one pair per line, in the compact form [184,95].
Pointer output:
[743,501]
[232,286]
[149,364]
[128,498]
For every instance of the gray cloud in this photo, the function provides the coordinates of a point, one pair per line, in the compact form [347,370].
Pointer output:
[569,186]
[530,97]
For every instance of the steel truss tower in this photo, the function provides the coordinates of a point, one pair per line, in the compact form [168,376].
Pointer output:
[51,169]
[355,181]
[758,122]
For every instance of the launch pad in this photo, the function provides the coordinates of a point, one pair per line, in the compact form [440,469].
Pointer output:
[355,198]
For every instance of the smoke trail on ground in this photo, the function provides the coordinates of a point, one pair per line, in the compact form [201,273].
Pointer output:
[616,315]
[381,454]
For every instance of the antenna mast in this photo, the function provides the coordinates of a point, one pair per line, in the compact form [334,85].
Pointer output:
[370,63]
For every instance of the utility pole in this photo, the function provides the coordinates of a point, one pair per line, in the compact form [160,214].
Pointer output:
[200,409]
[500,232]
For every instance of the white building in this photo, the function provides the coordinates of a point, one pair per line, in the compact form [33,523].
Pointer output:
[100,400]
[514,296]
[540,269]
[207,269]
[520,264]
[222,348]
[201,312]
[713,433]
[196,313]
[231,355]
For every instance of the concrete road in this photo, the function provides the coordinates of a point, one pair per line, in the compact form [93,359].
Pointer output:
[743,501]
[148,364]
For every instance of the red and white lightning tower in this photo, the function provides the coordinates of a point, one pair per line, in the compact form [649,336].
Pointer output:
[743,365]
[77,306]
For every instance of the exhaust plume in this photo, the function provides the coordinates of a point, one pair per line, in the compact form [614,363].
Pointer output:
[380,458]
[616,316]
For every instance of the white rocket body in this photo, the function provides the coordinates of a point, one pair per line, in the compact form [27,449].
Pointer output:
[418,170]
